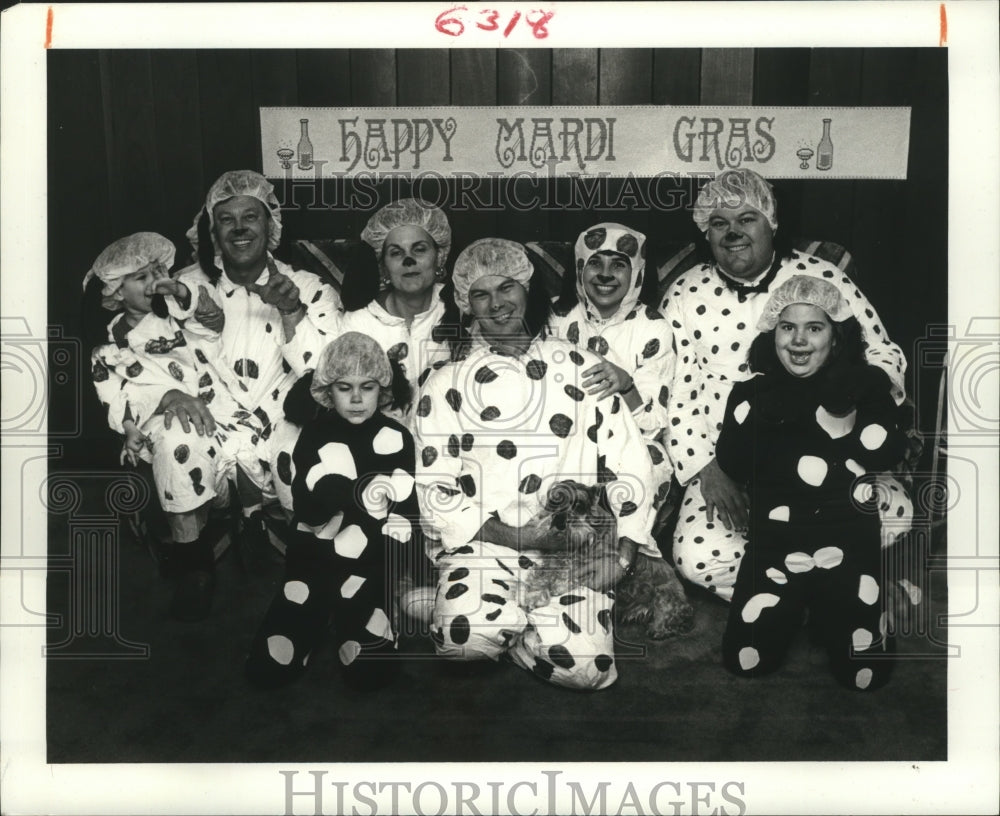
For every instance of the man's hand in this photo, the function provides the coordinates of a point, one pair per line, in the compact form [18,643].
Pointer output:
[279,291]
[541,539]
[208,312]
[188,410]
[724,497]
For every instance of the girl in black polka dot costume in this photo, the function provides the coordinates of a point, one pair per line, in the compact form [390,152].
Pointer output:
[608,306]
[355,514]
[807,435]
[713,311]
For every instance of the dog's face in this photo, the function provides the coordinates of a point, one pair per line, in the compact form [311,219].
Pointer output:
[579,510]
[570,498]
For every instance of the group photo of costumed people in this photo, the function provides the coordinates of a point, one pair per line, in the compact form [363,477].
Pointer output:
[515,471]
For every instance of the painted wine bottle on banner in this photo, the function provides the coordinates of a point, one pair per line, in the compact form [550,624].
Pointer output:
[305,146]
[824,150]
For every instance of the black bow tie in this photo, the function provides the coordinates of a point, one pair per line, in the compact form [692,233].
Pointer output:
[742,291]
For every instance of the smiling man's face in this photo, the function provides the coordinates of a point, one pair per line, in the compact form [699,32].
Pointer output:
[741,240]
[499,303]
[241,227]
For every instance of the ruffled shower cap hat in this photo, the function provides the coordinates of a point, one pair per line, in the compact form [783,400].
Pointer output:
[351,354]
[612,238]
[804,289]
[240,183]
[408,212]
[734,188]
[125,256]
[489,256]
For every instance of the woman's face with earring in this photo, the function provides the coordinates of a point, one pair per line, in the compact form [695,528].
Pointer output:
[409,260]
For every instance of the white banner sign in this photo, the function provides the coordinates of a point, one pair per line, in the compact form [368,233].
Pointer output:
[642,141]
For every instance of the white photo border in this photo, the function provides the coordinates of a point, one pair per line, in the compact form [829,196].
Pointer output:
[966,783]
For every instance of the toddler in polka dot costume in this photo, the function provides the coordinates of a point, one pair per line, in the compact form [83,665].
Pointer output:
[355,523]
[807,435]
[153,353]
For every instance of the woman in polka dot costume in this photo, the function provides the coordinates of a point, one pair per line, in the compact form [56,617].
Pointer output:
[807,435]
[713,311]
[495,430]
[355,515]
[411,240]
[150,354]
[608,307]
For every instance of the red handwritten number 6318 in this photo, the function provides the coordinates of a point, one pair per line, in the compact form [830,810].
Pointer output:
[448,22]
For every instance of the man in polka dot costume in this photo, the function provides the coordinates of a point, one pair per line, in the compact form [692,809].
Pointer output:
[713,310]
[355,514]
[274,320]
[494,431]
[149,355]
[634,340]
[808,434]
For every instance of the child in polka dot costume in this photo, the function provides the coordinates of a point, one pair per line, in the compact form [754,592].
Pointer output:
[713,311]
[495,430]
[355,516]
[608,308]
[807,434]
[151,354]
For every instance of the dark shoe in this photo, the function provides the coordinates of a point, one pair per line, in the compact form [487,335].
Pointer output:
[193,592]
[257,554]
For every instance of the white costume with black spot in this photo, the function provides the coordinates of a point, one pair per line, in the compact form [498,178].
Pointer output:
[494,432]
[264,365]
[158,355]
[815,540]
[356,530]
[412,347]
[713,328]
[639,341]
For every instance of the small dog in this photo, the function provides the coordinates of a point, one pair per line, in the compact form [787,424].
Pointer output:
[579,515]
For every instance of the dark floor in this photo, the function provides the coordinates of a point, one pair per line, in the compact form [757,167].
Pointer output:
[187,701]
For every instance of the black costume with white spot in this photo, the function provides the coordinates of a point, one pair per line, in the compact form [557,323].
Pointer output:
[356,528]
[814,539]
[713,328]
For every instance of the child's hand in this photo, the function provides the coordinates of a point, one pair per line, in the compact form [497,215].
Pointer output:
[135,441]
[208,312]
[168,286]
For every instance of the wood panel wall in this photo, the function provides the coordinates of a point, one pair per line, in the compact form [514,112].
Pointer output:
[136,137]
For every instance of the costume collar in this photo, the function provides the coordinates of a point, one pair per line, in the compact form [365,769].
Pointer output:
[226,284]
[383,315]
[480,343]
[759,285]
[118,330]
